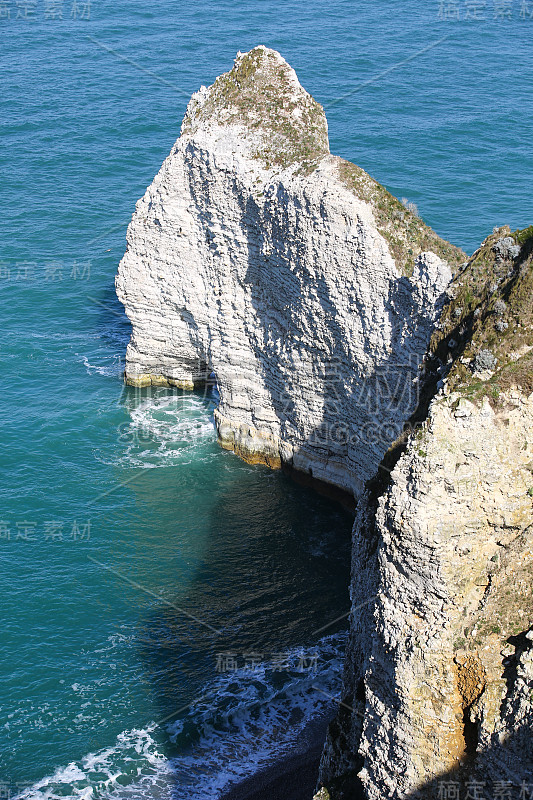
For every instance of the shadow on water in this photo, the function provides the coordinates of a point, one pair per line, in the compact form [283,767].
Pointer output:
[111,331]
[112,324]
[272,567]
[274,560]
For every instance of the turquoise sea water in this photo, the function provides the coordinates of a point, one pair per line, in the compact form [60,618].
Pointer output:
[162,602]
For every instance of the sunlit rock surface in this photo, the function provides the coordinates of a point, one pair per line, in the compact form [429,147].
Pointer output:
[306,288]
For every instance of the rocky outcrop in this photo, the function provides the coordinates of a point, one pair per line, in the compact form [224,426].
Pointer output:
[451,577]
[290,274]
[439,673]
[313,296]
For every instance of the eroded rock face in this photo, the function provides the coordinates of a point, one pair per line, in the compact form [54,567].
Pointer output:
[311,293]
[438,683]
[442,655]
[258,256]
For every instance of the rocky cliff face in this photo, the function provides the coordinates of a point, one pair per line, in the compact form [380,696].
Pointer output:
[313,296]
[439,675]
[305,287]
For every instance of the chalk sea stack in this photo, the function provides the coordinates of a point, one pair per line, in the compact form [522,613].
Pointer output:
[300,282]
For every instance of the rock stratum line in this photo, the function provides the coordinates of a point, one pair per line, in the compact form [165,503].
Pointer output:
[439,666]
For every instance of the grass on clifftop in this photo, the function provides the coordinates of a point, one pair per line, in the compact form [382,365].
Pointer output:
[491,317]
[407,235]
[260,93]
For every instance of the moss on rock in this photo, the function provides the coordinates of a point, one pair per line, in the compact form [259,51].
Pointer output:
[289,129]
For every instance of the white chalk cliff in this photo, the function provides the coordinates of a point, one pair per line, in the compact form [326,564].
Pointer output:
[315,297]
[440,665]
[305,287]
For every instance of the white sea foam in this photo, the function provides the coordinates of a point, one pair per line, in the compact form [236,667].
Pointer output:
[113,368]
[115,640]
[167,430]
[244,720]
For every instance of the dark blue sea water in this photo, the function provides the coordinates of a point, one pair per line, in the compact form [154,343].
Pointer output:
[163,604]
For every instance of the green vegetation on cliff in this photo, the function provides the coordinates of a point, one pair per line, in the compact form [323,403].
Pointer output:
[487,328]
[261,93]
[407,235]
[288,128]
